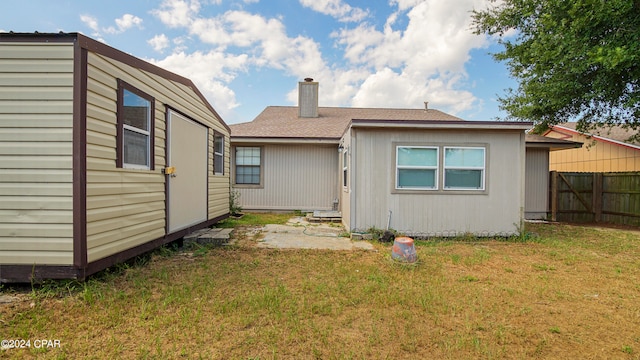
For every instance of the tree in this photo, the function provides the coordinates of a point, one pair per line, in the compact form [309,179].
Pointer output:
[575,60]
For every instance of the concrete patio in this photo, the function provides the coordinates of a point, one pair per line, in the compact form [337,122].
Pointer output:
[298,233]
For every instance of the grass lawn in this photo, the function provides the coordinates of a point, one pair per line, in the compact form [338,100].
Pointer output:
[562,291]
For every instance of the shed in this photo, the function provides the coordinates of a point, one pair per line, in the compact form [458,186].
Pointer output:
[104,156]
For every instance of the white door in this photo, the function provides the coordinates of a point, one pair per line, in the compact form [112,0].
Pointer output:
[188,150]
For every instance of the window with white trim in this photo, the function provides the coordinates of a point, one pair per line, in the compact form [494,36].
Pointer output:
[218,154]
[464,168]
[247,160]
[135,128]
[345,167]
[417,167]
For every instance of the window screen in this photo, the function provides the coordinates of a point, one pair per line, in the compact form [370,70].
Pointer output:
[464,168]
[416,168]
[248,165]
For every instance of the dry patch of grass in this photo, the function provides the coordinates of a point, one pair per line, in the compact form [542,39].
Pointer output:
[568,292]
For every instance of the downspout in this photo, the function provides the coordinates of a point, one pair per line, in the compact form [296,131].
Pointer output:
[523,166]
[337,203]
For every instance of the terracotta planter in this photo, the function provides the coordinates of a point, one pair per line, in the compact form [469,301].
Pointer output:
[404,250]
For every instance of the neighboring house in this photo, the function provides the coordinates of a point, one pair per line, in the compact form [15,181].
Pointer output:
[419,171]
[103,157]
[539,149]
[605,149]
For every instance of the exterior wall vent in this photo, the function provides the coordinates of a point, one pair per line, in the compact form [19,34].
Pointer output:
[308,98]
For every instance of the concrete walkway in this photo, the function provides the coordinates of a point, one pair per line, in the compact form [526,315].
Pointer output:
[300,234]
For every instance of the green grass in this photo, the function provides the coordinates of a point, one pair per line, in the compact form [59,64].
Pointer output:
[568,292]
[255,219]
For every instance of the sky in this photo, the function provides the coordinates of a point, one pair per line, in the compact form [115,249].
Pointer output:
[245,55]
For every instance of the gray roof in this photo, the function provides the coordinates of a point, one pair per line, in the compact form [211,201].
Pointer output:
[331,123]
[549,142]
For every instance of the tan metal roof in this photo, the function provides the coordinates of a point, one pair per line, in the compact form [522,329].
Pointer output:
[283,121]
[617,133]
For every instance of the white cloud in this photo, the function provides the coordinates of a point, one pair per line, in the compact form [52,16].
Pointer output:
[395,66]
[246,39]
[424,61]
[159,42]
[264,40]
[211,72]
[177,13]
[405,4]
[337,9]
[436,39]
[387,88]
[90,21]
[126,22]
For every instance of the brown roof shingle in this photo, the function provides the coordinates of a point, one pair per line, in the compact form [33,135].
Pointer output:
[283,121]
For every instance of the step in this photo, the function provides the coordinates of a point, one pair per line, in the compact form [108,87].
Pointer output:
[324,216]
[215,236]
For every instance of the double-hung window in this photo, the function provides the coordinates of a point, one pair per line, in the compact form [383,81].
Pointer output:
[135,128]
[417,167]
[464,168]
[247,160]
[218,154]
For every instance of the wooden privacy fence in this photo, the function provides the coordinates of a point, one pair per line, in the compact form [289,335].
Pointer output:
[595,197]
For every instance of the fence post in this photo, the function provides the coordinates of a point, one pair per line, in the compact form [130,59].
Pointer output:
[554,195]
[597,197]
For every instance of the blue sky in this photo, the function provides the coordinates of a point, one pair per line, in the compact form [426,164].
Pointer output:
[245,55]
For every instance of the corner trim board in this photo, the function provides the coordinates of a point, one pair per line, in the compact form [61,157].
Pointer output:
[80,157]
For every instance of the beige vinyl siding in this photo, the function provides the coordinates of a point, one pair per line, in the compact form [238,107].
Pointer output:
[536,184]
[219,184]
[593,156]
[497,210]
[295,177]
[126,207]
[36,105]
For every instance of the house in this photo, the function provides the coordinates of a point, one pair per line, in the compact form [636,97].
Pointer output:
[104,156]
[419,171]
[606,149]
[539,149]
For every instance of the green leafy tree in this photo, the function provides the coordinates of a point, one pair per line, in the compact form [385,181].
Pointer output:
[575,60]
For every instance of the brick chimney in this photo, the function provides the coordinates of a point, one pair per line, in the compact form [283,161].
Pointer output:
[308,98]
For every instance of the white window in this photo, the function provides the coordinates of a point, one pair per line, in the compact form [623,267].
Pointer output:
[464,168]
[135,128]
[417,167]
[218,154]
[345,167]
[248,165]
